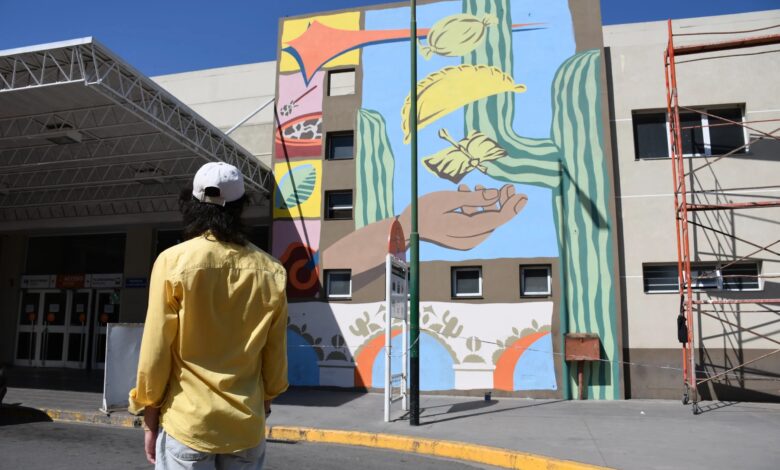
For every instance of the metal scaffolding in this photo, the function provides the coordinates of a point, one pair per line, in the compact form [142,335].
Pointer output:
[690,199]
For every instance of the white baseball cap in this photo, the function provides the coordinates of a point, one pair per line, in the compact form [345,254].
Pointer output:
[224,177]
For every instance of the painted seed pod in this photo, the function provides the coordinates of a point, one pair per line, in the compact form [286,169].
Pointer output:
[455,162]
[451,88]
[456,35]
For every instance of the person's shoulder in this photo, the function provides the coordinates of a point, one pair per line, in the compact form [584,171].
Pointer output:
[263,260]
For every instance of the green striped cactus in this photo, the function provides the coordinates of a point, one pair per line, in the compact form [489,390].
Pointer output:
[572,163]
[374,169]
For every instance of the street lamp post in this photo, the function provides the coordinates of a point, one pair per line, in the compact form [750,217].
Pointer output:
[414,239]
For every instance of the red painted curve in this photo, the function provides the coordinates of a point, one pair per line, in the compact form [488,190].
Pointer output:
[503,375]
[365,360]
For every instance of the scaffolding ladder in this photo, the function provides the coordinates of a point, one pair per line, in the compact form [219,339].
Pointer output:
[685,204]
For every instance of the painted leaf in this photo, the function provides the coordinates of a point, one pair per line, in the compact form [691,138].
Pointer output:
[296,187]
[535,324]
[456,35]
[451,88]
[455,162]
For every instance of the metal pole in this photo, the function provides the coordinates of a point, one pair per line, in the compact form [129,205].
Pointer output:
[414,239]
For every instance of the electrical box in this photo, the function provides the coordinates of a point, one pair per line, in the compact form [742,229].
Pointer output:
[582,347]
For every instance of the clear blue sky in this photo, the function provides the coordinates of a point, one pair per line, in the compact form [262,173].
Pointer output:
[169,36]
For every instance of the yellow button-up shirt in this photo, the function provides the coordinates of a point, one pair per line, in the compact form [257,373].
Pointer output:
[214,345]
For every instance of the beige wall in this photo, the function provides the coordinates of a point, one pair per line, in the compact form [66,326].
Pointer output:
[224,96]
[747,77]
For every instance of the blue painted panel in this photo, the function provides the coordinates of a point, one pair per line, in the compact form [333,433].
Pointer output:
[536,370]
[302,368]
[436,371]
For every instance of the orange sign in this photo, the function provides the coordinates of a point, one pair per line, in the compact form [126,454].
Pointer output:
[31,317]
[51,318]
[70,281]
[103,318]
[82,318]
[396,242]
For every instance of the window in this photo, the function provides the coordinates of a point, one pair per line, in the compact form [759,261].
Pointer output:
[341,82]
[701,134]
[338,205]
[340,145]
[704,276]
[660,278]
[650,135]
[535,281]
[467,282]
[338,284]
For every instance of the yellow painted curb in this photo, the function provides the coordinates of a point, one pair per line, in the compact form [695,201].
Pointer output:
[94,418]
[487,455]
[447,449]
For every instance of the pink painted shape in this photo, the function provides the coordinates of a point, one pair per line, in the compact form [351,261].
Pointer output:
[285,232]
[292,87]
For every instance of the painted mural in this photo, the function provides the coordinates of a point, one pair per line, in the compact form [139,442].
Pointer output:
[513,166]
[296,244]
[343,345]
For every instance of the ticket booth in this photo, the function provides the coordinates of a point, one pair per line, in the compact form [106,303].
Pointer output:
[62,319]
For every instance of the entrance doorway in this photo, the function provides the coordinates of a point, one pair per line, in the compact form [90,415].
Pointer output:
[64,327]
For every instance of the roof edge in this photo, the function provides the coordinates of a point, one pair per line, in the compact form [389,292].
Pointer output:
[47,46]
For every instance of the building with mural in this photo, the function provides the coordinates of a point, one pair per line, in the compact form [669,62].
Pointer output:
[544,208]
[515,207]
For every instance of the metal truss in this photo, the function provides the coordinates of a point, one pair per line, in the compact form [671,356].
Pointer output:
[104,176]
[128,146]
[108,199]
[148,172]
[99,117]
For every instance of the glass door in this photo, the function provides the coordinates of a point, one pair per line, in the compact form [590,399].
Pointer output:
[28,329]
[52,334]
[78,319]
[40,339]
[106,311]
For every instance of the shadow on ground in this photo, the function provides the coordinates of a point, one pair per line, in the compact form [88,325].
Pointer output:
[11,414]
[461,410]
[75,380]
[317,396]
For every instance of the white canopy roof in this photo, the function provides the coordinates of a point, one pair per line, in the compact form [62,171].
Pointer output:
[83,134]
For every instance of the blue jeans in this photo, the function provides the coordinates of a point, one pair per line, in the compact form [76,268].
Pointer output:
[173,455]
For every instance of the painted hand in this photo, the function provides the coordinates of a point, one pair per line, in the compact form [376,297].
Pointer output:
[463,219]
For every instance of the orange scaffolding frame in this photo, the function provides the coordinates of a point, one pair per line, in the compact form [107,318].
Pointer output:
[684,204]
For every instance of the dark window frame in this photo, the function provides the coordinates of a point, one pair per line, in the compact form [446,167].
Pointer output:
[327,275]
[330,153]
[331,210]
[341,71]
[529,267]
[704,277]
[454,285]
[697,142]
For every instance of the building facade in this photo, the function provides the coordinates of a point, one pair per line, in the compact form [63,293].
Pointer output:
[737,85]
[545,203]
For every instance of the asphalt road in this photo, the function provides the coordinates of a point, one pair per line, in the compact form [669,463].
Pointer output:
[53,445]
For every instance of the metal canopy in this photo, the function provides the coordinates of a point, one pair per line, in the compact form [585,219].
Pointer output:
[84,134]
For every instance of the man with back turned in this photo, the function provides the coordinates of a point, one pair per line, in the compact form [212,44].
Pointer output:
[213,353]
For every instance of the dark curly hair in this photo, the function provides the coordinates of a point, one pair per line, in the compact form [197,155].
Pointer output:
[224,222]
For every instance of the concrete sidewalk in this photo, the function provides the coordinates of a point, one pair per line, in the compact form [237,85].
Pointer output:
[634,434]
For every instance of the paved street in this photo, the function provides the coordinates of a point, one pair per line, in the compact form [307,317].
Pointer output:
[50,445]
